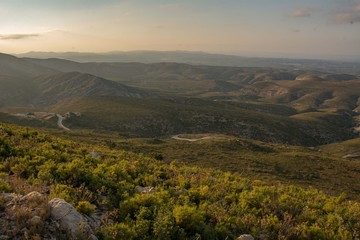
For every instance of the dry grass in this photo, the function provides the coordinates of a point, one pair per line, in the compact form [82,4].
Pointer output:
[26,216]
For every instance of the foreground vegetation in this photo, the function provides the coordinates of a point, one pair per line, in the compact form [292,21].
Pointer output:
[145,198]
[256,160]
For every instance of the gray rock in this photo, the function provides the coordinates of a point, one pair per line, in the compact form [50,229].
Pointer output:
[71,221]
[92,237]
[32,196]
[144,189]
[245,237]
[95,154]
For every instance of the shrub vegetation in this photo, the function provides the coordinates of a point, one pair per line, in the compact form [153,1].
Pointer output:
[183,203]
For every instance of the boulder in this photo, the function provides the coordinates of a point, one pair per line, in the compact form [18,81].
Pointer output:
[71,221]
[245,237]
[95,154]
[141,189]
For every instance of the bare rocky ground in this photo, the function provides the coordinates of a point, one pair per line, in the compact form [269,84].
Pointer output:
[33,216]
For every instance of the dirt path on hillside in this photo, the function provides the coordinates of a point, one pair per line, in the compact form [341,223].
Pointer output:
[60,122]
[177,137]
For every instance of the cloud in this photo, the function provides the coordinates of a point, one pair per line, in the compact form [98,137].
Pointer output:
[357,7]
[351,15]
[347,17]
[18,36]
[303,12]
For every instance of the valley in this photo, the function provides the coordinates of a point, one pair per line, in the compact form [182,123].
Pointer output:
[172,126]
[284,105]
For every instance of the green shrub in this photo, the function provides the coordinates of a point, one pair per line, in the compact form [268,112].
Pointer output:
[118,231]
[185,202]
[64,192]
[4,187]
[189,218]
[85,207]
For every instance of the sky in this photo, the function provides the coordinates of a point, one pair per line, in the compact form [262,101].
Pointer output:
[326,29]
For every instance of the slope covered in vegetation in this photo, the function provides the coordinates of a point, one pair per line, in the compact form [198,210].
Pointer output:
[143,198]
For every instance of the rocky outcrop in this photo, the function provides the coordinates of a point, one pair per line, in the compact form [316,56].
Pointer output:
[34,217]
[71,222]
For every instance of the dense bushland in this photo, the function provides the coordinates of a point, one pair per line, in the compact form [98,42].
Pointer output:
[144,198]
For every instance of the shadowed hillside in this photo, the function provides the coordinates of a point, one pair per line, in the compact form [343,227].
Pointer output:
[13,66]
[57,87]
[26,84]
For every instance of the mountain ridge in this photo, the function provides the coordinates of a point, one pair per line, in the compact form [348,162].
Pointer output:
[203,58]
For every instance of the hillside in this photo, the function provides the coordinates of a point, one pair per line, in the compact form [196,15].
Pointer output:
[309,95]
[13,66]
[158,117]
[15,80]
[16,91]
[143,198]
[171,77]
[256,160]
[28,85]
[54,88]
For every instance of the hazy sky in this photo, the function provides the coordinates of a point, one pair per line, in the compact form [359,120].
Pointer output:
[280,28]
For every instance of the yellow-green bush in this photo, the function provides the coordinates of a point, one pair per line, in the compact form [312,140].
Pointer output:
[85,207]
[185,203]
[4,187]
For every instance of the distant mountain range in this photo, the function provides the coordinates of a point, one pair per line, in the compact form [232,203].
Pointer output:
[202,58]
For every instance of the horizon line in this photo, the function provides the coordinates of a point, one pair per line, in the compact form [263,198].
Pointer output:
[347,59]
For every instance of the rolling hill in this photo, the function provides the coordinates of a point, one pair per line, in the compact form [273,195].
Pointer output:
[54,88]
[157,117]
[17,67]
[27,84]
[283,105]
[172,77]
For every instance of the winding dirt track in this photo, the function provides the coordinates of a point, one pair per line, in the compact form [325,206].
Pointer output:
[177,137]
[60,122]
